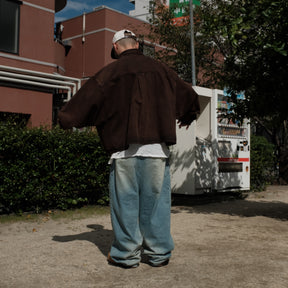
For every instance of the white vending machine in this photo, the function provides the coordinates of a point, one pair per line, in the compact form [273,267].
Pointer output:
[213,154]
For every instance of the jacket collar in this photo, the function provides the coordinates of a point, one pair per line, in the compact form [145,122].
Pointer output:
[130,52]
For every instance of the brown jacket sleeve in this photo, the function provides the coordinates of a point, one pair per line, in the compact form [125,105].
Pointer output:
[82,109]
[187,103]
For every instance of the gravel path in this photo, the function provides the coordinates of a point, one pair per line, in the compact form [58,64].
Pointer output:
[232,243]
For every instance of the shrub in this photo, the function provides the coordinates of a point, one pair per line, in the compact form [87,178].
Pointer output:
[262,163]
[47,169]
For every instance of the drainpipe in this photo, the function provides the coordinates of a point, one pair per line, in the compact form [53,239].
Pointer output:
[83,27]
[83,42]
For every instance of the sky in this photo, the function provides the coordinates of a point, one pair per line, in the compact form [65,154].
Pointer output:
[77,7]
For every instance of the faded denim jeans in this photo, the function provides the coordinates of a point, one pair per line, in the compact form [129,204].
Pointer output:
[140,200]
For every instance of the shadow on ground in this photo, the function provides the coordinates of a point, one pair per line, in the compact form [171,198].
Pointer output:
[234,204]
[99,236]
[231,204]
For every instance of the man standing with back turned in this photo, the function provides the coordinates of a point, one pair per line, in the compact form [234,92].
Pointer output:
[134,103]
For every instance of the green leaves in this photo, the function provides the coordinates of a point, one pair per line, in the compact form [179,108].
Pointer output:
[262,163]
[241,44]
[43,169]
[278,47]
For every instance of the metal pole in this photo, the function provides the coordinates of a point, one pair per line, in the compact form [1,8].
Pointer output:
[192,44]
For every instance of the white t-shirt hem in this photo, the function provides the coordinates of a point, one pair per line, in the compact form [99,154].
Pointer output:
[157,150]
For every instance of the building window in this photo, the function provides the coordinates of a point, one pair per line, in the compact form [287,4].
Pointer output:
[9,25]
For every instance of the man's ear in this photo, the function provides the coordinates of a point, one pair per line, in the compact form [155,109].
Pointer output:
[114,54]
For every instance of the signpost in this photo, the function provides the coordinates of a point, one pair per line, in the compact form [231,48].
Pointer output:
[193,69]
[179,12]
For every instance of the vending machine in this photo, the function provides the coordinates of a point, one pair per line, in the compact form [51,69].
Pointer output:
[213,154]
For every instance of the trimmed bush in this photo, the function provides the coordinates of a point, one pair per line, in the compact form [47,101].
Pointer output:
[262,163]
[51,169]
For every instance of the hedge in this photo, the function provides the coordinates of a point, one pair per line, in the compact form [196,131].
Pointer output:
[44,169]
[50,169]
[263,159]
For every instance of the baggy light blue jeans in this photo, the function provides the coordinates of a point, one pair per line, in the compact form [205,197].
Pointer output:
[140,200]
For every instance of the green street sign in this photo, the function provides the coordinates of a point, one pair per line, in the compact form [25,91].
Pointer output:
[195,2]
[181,5]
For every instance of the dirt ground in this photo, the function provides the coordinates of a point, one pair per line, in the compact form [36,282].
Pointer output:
[228,243]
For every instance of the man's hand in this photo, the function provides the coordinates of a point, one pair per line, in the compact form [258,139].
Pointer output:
[182,125]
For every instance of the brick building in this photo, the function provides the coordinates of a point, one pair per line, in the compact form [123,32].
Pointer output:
[42,64]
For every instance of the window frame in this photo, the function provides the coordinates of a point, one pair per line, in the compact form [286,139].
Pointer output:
[17,29]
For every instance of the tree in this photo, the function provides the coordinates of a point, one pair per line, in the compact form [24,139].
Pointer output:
[243,45]
[253,38]
[175,39]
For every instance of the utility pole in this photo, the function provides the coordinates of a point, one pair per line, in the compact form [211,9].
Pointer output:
[192,45]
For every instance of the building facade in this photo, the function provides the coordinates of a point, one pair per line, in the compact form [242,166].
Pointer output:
[42,65]
[89,39]
[29,59]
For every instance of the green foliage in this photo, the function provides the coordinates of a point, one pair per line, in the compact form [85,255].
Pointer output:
[262,163]
[252,36]
[242,45]
[46,169]
[239,44]
[175,39]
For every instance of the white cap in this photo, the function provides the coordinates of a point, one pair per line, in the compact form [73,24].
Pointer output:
[123,34]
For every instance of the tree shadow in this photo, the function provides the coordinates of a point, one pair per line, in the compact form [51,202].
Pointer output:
[99,236]
[234,205]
